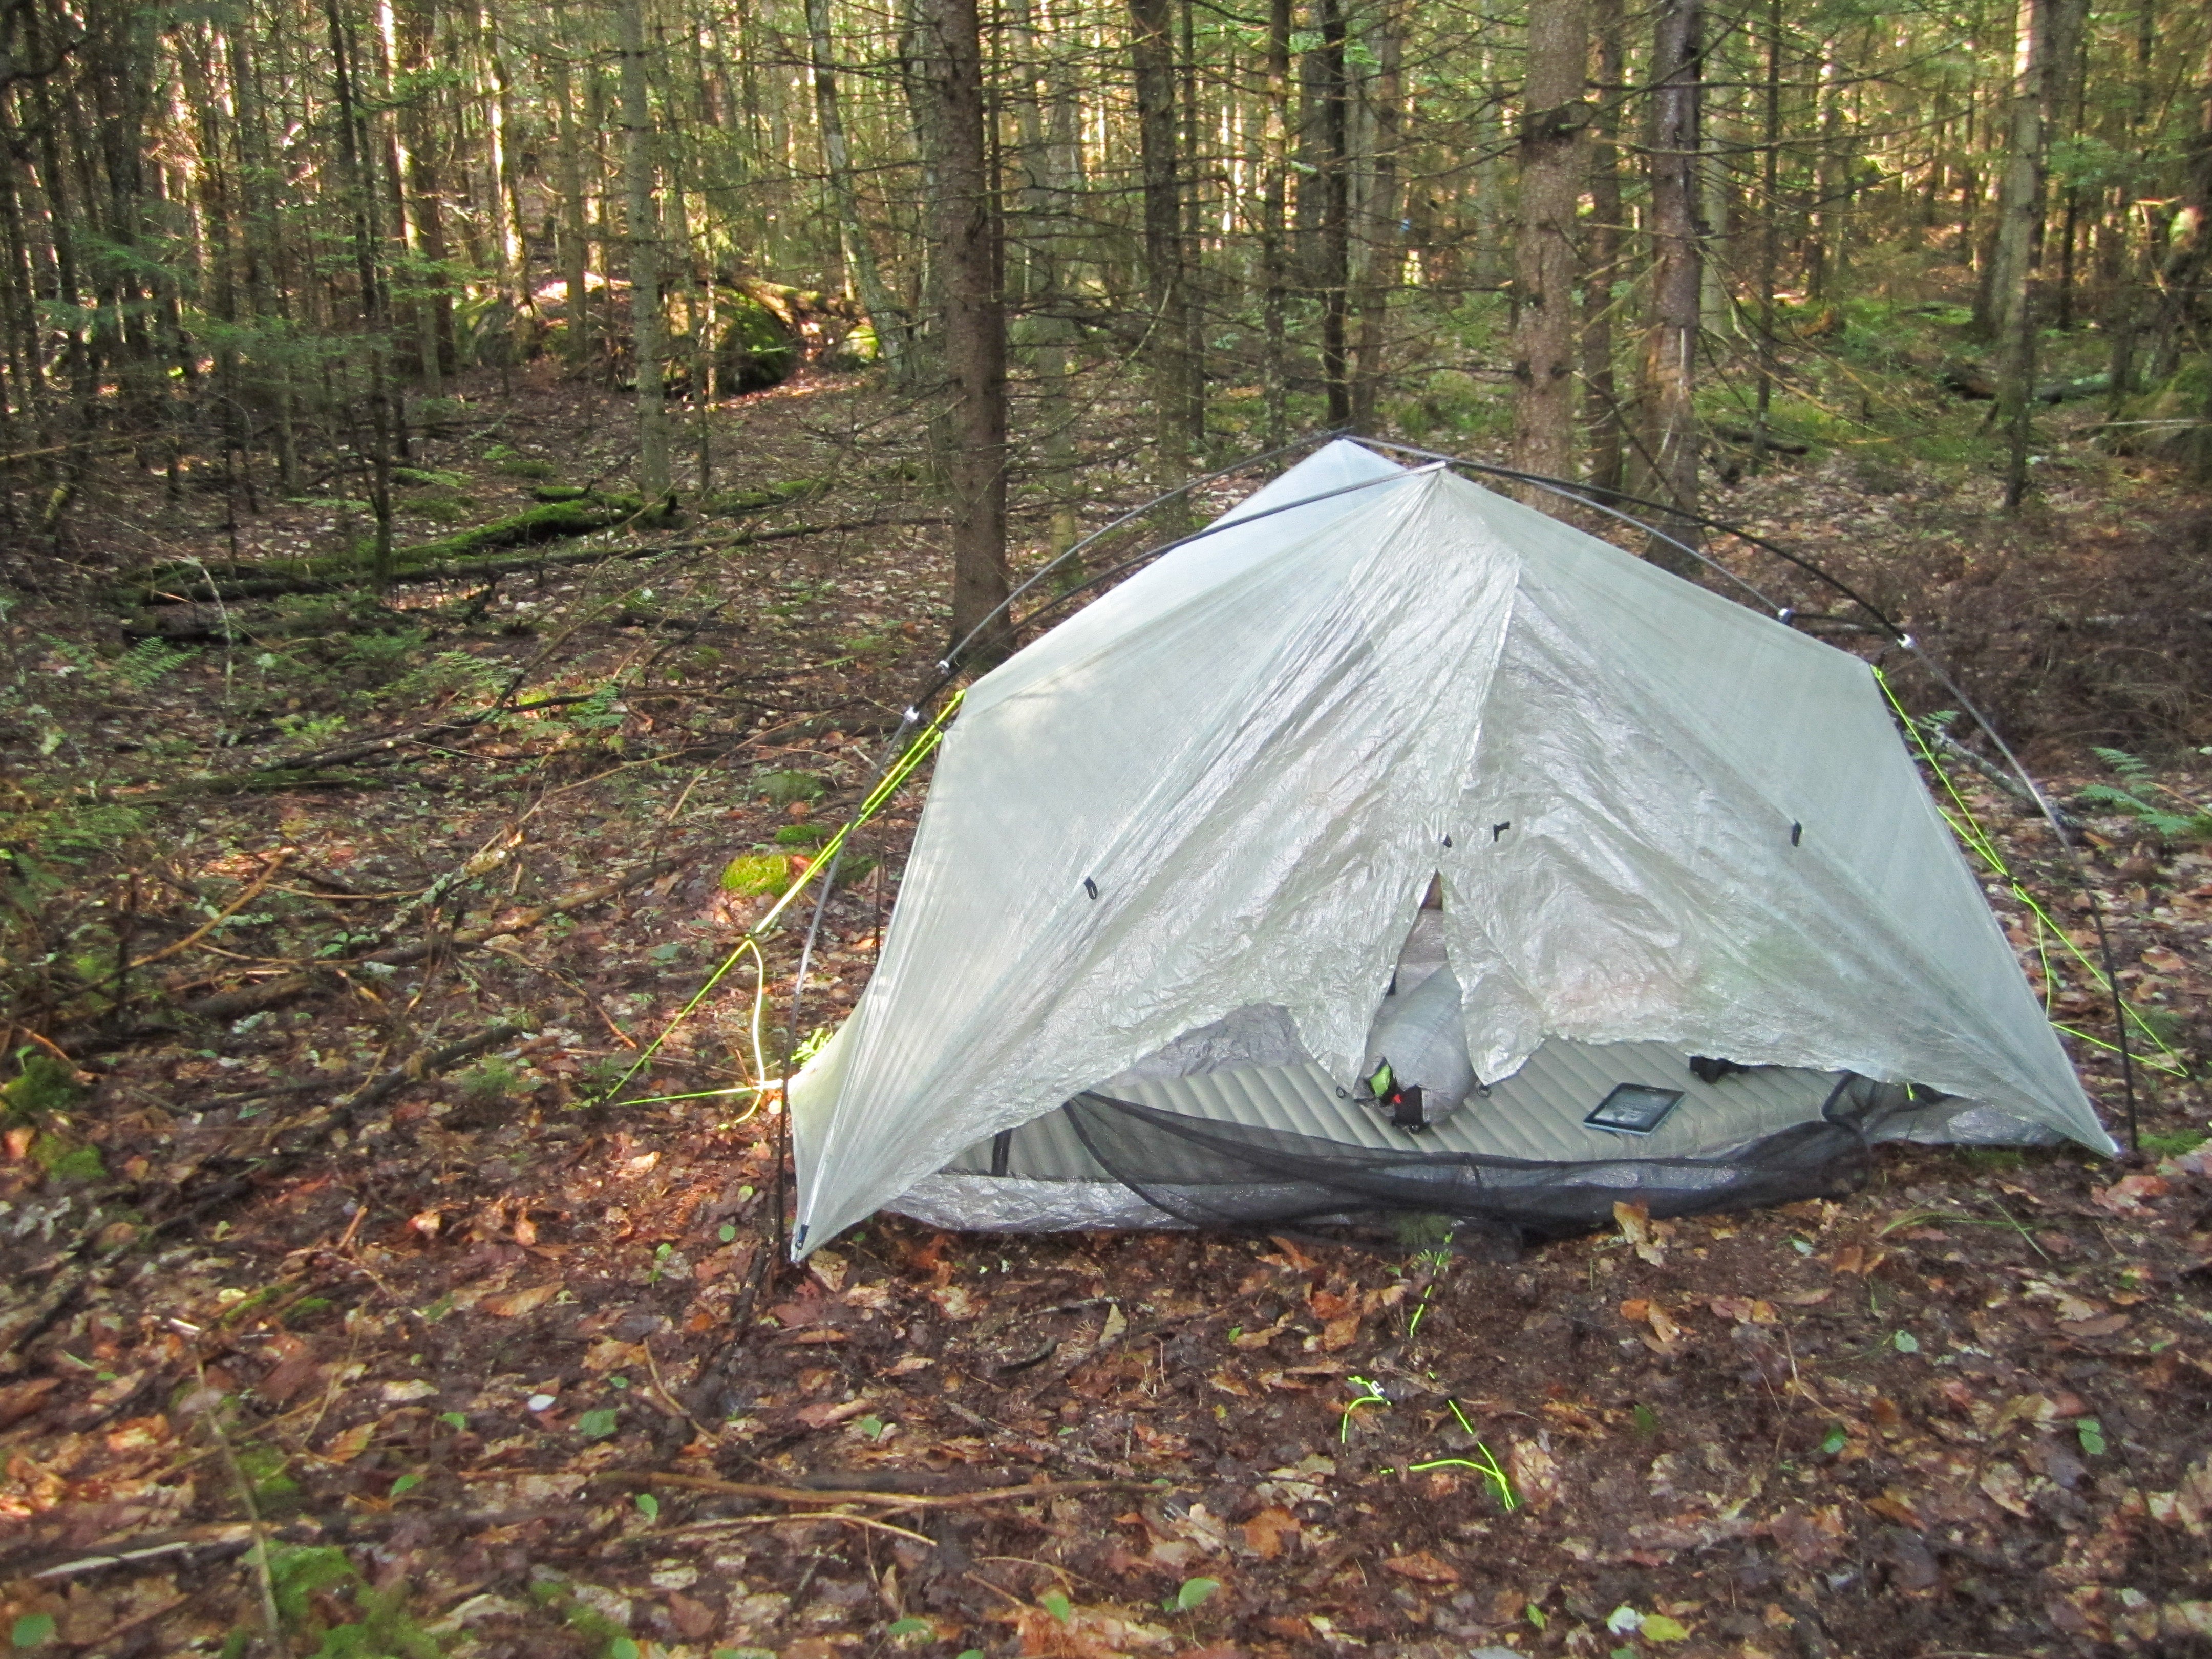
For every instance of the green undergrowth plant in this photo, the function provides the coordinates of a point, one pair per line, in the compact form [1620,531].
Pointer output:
[2183,821]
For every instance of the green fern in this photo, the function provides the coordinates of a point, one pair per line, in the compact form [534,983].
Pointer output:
[148,662]
[2127,766]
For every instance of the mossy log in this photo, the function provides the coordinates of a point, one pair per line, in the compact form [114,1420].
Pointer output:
[454,556]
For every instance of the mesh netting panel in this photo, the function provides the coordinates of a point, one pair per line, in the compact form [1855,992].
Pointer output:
[1215,1174]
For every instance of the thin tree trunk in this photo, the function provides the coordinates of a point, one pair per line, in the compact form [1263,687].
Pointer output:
[1554,120]
[1607,435]
[1770,231]
[1670,342]
[2020,211]
[643,231]
[568,177]
[963,234]
[1152,61]
[1274,253]
[353,154]
[885,314]
[1379,274]
[1335,211]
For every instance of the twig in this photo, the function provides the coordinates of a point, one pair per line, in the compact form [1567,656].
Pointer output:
[883,1500]
[264,1579]
[730,1523]
[229,910]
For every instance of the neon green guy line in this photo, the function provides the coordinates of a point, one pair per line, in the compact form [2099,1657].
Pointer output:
[920,749]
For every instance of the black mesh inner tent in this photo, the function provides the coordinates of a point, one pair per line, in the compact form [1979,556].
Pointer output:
[1214,1174]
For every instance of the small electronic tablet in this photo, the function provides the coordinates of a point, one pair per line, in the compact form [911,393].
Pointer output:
[1635,1109]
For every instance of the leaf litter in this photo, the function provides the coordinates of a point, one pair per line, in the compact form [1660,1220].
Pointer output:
[353,1303]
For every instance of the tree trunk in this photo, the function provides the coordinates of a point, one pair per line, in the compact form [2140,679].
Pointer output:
[963,237]
[1553,119]
[1380,256]
[1602,411]
[858,251]
[1670,342]
[569,176]
[1335,271]
[1152,61]
[1274,253]
[2019,212]
[1770,230]
[641,227]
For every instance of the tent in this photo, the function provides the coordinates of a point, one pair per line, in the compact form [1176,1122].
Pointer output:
[1710,934]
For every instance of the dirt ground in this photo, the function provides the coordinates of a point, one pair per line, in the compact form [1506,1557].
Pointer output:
[346,1317]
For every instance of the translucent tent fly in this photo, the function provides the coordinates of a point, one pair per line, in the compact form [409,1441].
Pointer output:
[1180,851]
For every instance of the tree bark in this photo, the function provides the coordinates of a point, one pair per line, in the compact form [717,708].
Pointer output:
[1275,252]
[963,237]
[1153,62]
[568,177]
[642,229]
[2020,213]
[1603,416]
[1554,120]
[1670,342]
[858,251]
[1335,210]
[1379,272]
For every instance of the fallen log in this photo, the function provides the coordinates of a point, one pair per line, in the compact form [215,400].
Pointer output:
[139,591]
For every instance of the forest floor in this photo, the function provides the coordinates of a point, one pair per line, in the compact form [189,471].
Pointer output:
[337,1303]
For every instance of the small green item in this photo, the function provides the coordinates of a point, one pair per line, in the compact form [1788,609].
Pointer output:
[2092,1433]
[1647,1420]
[1658,1627]
[1056,1604]
[32,1630]
[1194,1593]
[749,875]
[1835,1440]
[726,1233]
[622,1647]
[911,1627]
[1379,1084]
[597,1424]
[405,1483]
[649,1506]
[1905,1342]
[454,1419]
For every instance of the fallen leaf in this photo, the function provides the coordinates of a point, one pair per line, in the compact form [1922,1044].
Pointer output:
[1535,1474]
[821,1417]
[1265,1531]
[609,1355]
[512,1304]
[1261,1339]
[1635,1224]
[1339,1333]
[2005,1487]
[1896,1504]
[1809,1539]
[830,1269]
[1809,1298]
[955,1302]
[1744,1311]
[2107,1326]
[345,1447]
[2128,1192]
[1423,1568]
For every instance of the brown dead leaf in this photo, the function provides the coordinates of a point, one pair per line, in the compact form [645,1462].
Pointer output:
[1423,1568]
[2003,1486]
[1328,1304]
[822,1417]
[1292,1256]
[1858,1259]
[1635,1224]
[1262,1338]
[1810,1539]
[1339,1333]
[428,1222]
[512,1304]
[830,1269]
[288,1376]
[2109,1325]
[694,1620]
[1100,1633]
[1535,1474]
[955,1302]
[1896,1504]
[1809,1298]
[345,1447]
[2128,1192]
[1744,1311]
[1265,1531]
[19,1400]
[1575,1419]
[609,1355]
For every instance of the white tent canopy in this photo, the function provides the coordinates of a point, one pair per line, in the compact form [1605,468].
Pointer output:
[1656,817]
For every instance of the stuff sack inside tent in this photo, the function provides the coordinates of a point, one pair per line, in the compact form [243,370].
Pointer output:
[1194,861]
